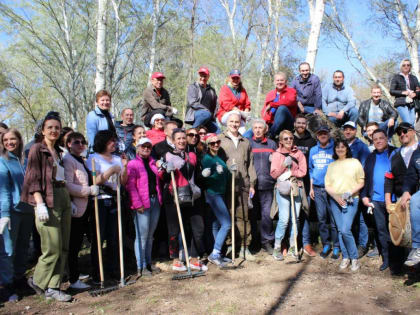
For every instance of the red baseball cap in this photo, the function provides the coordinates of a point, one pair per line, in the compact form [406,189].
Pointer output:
[158,75]
[204,70]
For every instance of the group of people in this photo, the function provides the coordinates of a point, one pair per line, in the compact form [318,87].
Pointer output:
[281,173]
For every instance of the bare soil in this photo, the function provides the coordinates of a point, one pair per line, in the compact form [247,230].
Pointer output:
[314,286]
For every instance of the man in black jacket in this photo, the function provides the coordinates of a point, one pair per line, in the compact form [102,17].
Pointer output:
[161,148]
[304,141]
[262,149]
[202,103]
[377,110]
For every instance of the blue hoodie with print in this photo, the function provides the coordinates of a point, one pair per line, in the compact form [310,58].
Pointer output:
[319,158]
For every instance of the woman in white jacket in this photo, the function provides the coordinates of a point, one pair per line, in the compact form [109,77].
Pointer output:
[78,183]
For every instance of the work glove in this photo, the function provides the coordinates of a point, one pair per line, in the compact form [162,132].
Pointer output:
[219,169]
[370,209]
[206,172]
[288,161]
[174,110]
[74,208]
[234,167]
[4,221]
[170,167]
[94,190]
[41,212]
[245,115]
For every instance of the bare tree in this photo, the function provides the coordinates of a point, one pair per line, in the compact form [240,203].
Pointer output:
[100,80]
[316,14]
[277,35]
[230,12]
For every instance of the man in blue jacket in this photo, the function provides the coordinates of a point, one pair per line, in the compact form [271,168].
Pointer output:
[412,194]
[262,149]
[124,129]
[308,88]
[338,101]
[360,151]
[320,156]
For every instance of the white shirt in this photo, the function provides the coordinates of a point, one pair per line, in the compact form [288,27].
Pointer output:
[102,165]
[59,171]
[234,139]
[407,152]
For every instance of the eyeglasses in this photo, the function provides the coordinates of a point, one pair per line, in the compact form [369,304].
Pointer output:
[288,139]
[406,65]
[149,147]
[202,133]
[214,143]
[402,131]
[159,119]
[79,142]
[193,135]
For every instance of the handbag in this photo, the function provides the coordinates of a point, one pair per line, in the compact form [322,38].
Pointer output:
[185,196]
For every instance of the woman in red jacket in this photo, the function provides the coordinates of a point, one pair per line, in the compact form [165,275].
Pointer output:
[280,106]
[233,97]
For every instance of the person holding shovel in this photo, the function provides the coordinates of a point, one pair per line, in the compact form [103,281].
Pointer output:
[288,167]
[344,179]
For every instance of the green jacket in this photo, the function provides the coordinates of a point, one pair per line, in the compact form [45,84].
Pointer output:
[215,183]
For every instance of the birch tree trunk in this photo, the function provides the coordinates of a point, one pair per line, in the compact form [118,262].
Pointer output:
[155,21]
[316,13]
[231,16]
[411,38]
[264,53]
[343,30]
[100,79]
[277,36]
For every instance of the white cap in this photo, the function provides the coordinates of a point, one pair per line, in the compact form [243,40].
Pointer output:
[350,124]
[156,116]
[143,141]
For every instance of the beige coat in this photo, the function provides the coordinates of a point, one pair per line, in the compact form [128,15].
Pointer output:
[77,183]
[246,176]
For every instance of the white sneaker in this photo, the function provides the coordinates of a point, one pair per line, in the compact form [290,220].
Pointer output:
[79,285]
[355,265]
[344,263]
[198,265]
[83,276]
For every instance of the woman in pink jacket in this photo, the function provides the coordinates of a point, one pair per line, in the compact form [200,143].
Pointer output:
[144,188]
[287,161]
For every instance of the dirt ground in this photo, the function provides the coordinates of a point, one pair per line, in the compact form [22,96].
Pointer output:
[314,286]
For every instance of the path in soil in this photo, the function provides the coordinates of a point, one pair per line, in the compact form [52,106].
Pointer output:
[314,286]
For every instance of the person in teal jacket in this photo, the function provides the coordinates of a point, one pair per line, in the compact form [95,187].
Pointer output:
[15,222]
[216,176]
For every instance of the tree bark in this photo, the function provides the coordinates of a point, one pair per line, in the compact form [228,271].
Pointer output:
[231,16]
[316,13]
[100,79]
[277,38]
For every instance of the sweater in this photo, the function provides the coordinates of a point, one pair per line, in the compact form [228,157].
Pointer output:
[319,158]
[335,100]
[344,175]
[215,183]
[11,181]
[138,183]
[309,92]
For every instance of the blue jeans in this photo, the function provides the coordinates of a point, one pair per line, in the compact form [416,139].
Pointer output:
[285,217]
[282,120]
[222,224]
[145,224]
[406,114]
[323,212]
[309,109]
[389,131]
[363,237]
[203,117]
[351,115]
[415,219]
[344,220]
[304,225]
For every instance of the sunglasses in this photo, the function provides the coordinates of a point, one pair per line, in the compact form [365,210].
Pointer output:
[214,143]
[287,138]
[79,142]
[402,131]
[406,65]
[202,133]
[193,135]
[146,146]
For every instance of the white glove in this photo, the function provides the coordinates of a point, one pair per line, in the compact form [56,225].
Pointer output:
[5,221]
[219,169]
[245,115]
[287,161]
[370,210]
[74,208]
[41,212]
[174,110]
[206,172]
[94,190]
[170,167]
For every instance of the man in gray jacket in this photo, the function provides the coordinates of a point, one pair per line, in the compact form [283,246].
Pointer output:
[202,103]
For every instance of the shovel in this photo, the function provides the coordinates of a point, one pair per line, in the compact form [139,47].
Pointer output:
[189,274]
[292,202]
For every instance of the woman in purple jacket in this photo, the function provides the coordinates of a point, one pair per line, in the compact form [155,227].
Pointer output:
[144,188]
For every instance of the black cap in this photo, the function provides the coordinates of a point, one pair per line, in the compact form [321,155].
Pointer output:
[323,128]
[404,126]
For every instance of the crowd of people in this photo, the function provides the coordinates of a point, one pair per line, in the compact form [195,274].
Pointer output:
[284,177]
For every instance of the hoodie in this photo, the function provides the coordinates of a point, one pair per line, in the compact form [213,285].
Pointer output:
[319,158]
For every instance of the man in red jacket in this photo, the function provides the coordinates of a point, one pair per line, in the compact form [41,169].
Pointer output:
[280,106]
[233,97]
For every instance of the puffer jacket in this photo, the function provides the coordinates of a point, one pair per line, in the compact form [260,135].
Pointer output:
[137,184]
[246,176]
[387,109]
[262,150]
[298,169]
